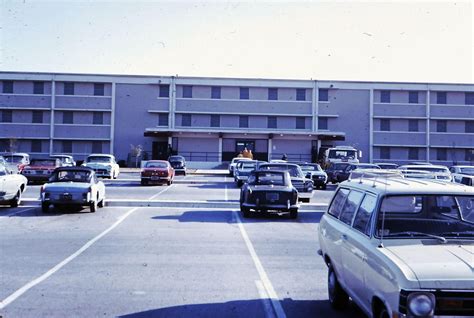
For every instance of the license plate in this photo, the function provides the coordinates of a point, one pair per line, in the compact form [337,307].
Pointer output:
[39,172]
[155,178]
[272,196]
[67,196]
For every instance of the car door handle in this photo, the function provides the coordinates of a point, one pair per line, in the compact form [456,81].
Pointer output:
[344,237]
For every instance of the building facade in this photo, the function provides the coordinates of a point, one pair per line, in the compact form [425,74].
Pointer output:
[213,119]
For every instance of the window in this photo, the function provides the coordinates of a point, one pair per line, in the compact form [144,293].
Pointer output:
[7,116]
[244,93]
[97,146]
[469,127]
[300,123]
[243,121]
[362,218]
[38,87]
[7,87]
[323,95]
[384,152]
[300,94]
[37,117]
[385,96]
[469,155]
[68,88]
[67,146]
[162,119]
[215,121]
[385,124]
[164,91]
[98,118]
[322,123]
[271,122]
[36,146]
[413,97]
[413,154]
[273,94]
[413,125]
[441,126]
[469,98]
[350,206]
[441,154]
[187,91]
[441,98]
[68,117]
[338,202]
[186,120]
[99,89]
[216,92]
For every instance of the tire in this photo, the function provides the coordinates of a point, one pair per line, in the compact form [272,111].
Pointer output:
[245,211]
[168,183]
[101,203]
[44,207]
[144,182]
[15,202]
[93,206]
[383,313]
[324,186]
[293,213]
[338,298]
[239,183]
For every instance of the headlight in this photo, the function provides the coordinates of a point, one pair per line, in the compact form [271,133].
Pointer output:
[421,304]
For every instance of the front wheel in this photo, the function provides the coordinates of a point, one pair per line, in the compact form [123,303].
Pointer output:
[15,202]
[245,211]
[44,207]
[293,213]
[337,296]
[93,206]
[101,204]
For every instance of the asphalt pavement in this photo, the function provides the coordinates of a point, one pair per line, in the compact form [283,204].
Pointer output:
[163,261]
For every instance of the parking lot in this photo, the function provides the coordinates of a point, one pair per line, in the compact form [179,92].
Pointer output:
[190,254]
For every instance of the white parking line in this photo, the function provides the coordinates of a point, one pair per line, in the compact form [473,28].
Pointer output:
[267,306]
[53,270]
[226,198]
[165,189]
[277,308]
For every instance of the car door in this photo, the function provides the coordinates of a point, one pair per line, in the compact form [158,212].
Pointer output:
[356,251]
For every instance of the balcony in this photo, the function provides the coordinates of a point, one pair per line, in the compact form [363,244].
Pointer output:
[408,138]
[25,101]
[397,110]
[460,112]
[11,130]
[83,103]
[81,132]
[452,140]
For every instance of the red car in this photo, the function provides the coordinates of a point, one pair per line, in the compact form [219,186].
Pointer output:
[157,171]
[40,169]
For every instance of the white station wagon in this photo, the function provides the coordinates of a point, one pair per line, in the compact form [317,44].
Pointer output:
[400,248]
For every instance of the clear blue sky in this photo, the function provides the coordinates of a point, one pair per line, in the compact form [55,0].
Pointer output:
[346,40]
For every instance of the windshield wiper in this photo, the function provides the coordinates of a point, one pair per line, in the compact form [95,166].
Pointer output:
[412,233]
[459,233]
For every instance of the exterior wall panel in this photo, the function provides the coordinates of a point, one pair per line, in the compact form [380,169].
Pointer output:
[39,101]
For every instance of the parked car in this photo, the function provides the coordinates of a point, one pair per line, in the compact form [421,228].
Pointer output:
[298,180]
[157,171]
[16,160]
[243,169]
[12,186]
[440,172]
[3,162]
[234,162]
[66,160]
[386,166]
[418,174]
[314,172]
[344,174]
[400,247]
[178,163]
[375,173]
[269,191]
[104,165]
[334,169]
[73,187]
[40,170]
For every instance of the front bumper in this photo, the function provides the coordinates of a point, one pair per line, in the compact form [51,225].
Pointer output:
[305,195]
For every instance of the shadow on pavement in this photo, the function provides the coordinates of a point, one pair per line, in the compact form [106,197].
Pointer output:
[251,308]
[226,216]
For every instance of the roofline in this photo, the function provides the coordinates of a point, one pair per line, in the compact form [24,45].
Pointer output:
[233,78]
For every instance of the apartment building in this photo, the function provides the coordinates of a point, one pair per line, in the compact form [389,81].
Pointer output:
[213,119]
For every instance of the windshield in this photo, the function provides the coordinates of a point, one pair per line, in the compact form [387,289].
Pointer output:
[248,166]
[367,167]
[430,169]
[176,158]
[340,154]
[14,159]
[99,159]
[161,165]
[71,175]
[310,167]
[441,215]
[267,178]
[48,163]
[469,171]
[295,171]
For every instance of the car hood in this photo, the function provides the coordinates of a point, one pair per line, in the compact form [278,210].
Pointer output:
[449,266]
[67,186]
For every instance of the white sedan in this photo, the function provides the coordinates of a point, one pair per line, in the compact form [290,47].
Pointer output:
[104,165]
[12,185]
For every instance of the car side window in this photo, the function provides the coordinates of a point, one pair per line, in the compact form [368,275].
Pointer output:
[350,207]
[338,202]
[362,218]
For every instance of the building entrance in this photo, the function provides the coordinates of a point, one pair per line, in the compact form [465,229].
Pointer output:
[160,150]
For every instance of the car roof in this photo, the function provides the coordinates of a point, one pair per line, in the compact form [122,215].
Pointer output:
[404,186]
[15,154]
[277,164]
[101,155]
[61,156]
[423,166]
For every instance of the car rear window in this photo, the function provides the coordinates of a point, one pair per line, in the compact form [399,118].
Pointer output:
[156,165]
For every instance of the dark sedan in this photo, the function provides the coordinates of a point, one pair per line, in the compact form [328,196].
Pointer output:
[344,175]
[178,163]
[267,191]
[334,169]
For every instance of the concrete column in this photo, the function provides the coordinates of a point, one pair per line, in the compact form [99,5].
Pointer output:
[315,106]
[371,125]
[270,148]
[112,121]
[51,125]
[428,128]
[172,103]
[220,150]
